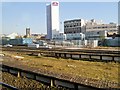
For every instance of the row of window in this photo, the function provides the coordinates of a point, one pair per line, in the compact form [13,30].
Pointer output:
[72,21]
[72,25]
[101,27]
[75,35]
[72,29]
[77,31]
[72,32]
[73,38]
[58,35]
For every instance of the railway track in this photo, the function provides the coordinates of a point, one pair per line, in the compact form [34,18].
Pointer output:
[64,81]
[89,52]
[73,55]
[24,50]
[102,51]
[7,86]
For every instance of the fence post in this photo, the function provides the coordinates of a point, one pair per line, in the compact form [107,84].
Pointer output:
[75,86]
[18,75]
[52,83]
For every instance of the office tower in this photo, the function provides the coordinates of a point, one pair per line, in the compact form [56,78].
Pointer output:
[52,11]
[27,32]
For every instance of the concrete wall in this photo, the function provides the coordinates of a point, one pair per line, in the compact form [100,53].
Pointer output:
[28,75]
[64,84]
[43,79]
[13,71]
[75,56]
[95,57]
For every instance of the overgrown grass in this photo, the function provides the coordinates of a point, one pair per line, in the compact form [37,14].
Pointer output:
[96,70]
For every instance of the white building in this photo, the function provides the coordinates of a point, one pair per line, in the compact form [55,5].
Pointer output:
[12,36]
[98,31]
[59,36]
[75,36]
[52,18]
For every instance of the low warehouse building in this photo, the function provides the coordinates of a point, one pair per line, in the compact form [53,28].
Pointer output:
[21,41]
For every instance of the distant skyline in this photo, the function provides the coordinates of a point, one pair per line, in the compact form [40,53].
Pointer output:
[16,16]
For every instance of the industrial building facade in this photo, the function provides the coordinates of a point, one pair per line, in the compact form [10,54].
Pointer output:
[98,31]
[59,36]
[74,26]
[74,29]
[16,41]
[52,18]
[94,30]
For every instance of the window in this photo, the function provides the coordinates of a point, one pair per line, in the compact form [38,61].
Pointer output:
[94,27]
[114,26]
[80,24]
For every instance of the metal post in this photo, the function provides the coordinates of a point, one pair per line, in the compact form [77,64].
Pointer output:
[52,82]
[75,86]
[100,57]
[112,58]
[79,56]
[59,54]
[71,56]
[90,56]
[18,75]
[65,55]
